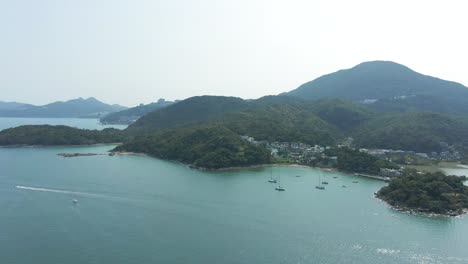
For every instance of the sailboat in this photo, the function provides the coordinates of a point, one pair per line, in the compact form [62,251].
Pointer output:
[324,182]
[279,188]
[271,176]
[320,187]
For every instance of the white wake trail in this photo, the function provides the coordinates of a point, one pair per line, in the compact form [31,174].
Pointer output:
[51,190]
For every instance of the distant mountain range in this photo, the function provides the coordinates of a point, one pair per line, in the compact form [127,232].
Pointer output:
[81,108]
[130,115]
[388,86]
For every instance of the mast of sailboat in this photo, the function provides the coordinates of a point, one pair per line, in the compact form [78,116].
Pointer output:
[271,176]
[279,188]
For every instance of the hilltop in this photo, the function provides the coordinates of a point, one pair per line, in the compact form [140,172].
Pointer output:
[388,86]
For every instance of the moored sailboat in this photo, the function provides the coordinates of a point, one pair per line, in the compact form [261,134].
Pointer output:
[272,180]
[319,186]
[279,188]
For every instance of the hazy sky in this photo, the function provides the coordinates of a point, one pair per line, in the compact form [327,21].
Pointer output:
[137,51]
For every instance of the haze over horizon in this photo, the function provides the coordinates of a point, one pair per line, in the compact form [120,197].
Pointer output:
[131,52]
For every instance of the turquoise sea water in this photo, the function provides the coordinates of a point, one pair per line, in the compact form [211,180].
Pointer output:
[135,209]
[87,123]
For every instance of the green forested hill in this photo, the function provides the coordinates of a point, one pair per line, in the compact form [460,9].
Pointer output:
[412,131]
[272,118]
[192,111]
[281,122]
[342,114]
[394,86]
[323,122]
[211,147]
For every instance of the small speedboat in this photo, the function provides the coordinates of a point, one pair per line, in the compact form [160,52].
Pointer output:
[279,188]
[320,187]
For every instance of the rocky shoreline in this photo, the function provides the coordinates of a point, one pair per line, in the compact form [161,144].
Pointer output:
[421,211]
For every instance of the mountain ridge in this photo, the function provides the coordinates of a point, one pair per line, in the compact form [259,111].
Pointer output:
[78,107]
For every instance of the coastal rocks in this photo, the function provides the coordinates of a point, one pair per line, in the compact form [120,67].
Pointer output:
[421,211]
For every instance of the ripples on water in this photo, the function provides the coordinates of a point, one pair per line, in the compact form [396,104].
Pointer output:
[144,210]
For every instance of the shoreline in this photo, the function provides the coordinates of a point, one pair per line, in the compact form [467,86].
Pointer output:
[129,153]
[191,166]
[234,168]
[420,212]
[267,165]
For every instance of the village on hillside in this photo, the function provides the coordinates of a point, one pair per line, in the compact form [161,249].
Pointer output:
[316,156]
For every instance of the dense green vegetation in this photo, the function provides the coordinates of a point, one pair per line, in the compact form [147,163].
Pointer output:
[192,111]
[323,122]
[356,161]
[58,135]
[342,114]
[209,147]
[396,87]
[272,118]
[421,132]
[85,108]
[431,193]
[281,122]
[128,115]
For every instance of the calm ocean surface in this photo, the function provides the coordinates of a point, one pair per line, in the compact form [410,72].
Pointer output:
[136,209]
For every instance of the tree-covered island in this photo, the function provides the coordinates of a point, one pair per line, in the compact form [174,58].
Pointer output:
[427,193]
[47,135]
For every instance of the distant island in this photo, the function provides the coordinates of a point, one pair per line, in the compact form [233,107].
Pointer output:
[77,108]
[427,193]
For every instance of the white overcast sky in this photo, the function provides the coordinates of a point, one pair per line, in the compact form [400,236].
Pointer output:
[137,51]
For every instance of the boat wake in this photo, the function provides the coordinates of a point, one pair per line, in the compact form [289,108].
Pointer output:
[50,190]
